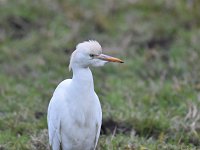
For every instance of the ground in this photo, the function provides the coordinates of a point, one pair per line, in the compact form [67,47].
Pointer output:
[150,102]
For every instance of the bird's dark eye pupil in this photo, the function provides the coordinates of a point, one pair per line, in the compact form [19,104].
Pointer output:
[92,55]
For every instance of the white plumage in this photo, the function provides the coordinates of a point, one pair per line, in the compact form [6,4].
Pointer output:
[74,112]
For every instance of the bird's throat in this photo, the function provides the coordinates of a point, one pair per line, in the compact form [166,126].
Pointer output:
[83,79]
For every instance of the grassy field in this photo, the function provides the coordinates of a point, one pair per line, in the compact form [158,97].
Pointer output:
[151,102]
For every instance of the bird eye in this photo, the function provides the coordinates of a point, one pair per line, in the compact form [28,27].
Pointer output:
[92,55]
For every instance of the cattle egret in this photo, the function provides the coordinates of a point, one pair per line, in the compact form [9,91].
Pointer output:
[74,112]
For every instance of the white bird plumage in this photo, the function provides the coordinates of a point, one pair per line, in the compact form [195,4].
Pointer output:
[74,113]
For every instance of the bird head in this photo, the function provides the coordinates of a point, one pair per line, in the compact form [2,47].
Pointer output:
[89,53]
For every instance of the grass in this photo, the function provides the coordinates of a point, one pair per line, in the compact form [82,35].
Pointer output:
[150,102]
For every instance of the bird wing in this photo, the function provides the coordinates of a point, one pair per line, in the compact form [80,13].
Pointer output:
[99,120]
[53,120]
[54,115]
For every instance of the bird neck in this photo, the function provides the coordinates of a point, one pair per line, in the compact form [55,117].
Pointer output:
[82,78]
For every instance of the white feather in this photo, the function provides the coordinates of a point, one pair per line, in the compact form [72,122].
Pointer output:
[74,112]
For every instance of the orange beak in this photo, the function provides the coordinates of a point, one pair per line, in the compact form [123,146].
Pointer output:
[109,58]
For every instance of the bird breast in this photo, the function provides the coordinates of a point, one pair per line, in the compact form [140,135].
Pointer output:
[83,121]
[84,112]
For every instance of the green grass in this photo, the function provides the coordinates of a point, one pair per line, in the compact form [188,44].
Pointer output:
[151,101]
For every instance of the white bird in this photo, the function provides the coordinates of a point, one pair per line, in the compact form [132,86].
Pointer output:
[74,112]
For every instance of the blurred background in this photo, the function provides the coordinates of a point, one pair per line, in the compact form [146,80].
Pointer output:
[149,102]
